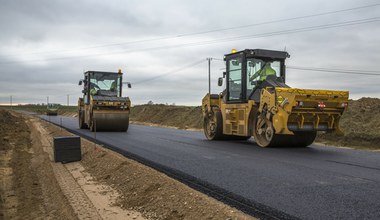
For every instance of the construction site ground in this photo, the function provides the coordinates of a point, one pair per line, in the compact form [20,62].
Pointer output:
[103,185]
[360,123]
[106,185]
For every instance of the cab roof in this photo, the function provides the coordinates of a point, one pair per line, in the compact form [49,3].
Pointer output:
[102,72]
[272,54]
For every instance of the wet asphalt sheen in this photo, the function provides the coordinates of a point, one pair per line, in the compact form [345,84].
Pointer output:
[316,182]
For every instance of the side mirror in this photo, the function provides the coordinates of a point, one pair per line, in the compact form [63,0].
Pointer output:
[80,82]
[224,74]
[128,84]
[220,81]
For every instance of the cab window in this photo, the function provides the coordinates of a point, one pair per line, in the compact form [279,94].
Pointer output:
[259,70]
[235,79]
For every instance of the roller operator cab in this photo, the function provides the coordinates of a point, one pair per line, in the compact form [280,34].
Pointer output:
[258,103]
[102,107]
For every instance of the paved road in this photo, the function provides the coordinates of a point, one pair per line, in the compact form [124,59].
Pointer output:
[311,183]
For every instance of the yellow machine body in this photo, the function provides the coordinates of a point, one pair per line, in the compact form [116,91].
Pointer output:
[52,109]
[103,109]
[278,116]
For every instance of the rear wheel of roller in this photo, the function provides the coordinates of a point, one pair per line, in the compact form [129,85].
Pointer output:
[82,125]
[213,125]
[92,123]
[265,136]
[263,131]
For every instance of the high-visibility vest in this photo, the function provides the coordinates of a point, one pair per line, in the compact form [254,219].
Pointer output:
[93,91]
[267,71]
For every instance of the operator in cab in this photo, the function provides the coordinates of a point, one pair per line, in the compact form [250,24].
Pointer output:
[113,87]
[264,72]
[93,88]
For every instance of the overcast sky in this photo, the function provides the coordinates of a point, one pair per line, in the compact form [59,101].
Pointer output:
[162,46]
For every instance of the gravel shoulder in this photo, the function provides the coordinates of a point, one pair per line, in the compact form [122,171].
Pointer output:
[29,189]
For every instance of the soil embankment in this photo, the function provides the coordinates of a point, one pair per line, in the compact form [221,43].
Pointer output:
[360,124]
[182,117]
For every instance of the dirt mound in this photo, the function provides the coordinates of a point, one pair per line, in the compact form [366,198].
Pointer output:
[360,123]
[182,117]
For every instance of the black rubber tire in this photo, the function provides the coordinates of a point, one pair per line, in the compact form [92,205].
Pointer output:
[92,125]
[82,124]
[218,134]
[299,139]
[259,138]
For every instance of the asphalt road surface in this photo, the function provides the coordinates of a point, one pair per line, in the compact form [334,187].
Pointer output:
[309,183]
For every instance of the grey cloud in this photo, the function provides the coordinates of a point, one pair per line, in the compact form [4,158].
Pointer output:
[34,26]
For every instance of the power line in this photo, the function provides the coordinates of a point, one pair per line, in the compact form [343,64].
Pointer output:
[218,59]
[355,72]
[207,31]
[291,31]
[200,43]
[170,72]
[281,20]
[146,80]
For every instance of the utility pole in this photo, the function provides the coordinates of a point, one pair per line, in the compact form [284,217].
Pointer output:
[209,82]
[68,99]
[47,100]
[209,75]
[11,101]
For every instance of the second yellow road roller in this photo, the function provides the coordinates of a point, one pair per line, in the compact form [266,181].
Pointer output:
[102,107]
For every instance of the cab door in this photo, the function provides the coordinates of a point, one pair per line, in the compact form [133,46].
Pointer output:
[235,109]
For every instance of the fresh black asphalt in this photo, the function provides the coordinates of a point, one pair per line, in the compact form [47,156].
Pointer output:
[317,182]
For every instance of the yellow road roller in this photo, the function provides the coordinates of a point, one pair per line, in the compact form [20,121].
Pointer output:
[102,107]
[52,109]
[257,102]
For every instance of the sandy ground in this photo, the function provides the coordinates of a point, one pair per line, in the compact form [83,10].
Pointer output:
[104,185]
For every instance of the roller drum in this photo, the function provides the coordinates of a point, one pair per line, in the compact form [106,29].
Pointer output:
[110,121]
